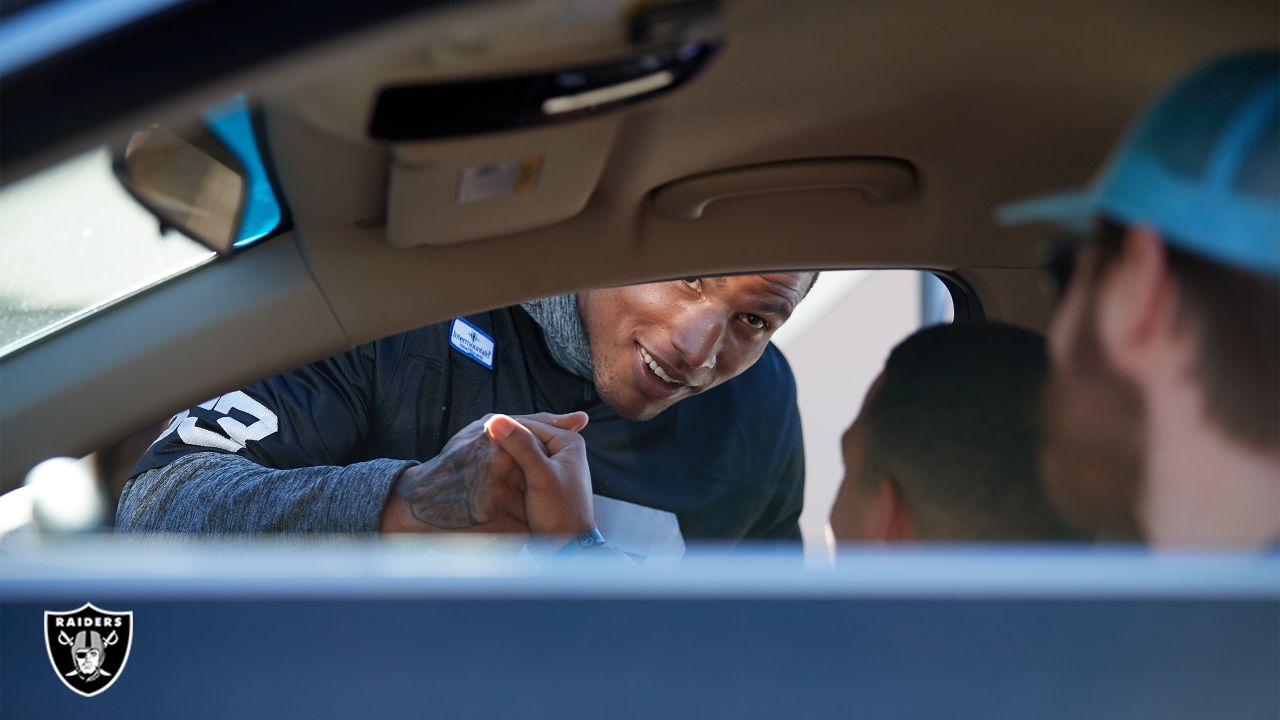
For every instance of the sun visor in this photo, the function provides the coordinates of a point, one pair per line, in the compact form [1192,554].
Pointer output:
[482,157]
[443,193]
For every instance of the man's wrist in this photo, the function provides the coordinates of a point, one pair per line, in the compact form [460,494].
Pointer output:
[397,515]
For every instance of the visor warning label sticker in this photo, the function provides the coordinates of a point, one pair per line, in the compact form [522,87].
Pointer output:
[499,179]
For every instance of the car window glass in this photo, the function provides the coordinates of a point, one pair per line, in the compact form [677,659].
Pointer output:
[74,240]
[836,342]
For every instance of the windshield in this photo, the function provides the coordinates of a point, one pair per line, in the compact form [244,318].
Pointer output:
[73,241]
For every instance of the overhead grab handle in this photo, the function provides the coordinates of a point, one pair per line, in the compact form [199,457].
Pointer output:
[880,181]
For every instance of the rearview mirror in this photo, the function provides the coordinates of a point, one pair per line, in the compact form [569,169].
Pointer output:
[190,183]
[208,180]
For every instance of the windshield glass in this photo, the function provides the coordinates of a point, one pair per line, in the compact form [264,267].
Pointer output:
[73,241]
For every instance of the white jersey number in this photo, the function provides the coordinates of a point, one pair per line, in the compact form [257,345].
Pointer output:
[236,433]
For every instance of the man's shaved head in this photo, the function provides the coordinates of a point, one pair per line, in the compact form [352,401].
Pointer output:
[953,424]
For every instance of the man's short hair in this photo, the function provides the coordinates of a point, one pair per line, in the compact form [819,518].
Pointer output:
[956,424]
[1234,314]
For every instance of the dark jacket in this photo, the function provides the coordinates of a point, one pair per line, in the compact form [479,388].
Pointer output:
[316,449]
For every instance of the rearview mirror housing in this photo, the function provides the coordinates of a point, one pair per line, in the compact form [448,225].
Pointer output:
[207,180]
[189,182]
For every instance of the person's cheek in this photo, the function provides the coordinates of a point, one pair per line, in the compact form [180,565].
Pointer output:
[846,512]
[736,356]
[1063,327]
[841,520]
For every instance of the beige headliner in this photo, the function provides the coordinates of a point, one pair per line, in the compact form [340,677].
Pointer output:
[990,101]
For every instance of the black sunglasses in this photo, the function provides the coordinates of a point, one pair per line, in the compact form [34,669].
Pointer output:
[1058,263]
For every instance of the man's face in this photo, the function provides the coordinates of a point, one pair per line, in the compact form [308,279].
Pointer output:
[1094,424]
[656,344]
[87,660]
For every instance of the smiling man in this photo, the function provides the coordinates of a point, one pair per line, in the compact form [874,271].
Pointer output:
[657,344]
[687,412]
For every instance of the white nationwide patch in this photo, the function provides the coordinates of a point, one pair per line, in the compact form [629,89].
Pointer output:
[88,647]
[472,342]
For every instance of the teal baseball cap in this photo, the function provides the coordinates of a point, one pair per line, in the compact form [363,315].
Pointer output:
[1201,166]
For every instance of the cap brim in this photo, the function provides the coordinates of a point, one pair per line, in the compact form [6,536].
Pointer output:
[1074,210]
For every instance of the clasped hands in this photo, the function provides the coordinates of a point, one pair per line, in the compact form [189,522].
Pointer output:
[524,474]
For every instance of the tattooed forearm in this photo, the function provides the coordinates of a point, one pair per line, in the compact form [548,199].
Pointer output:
[450,492]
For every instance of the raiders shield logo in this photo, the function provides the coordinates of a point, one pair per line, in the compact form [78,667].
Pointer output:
[88,647]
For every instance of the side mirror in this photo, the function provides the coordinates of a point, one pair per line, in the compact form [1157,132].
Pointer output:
[190,183]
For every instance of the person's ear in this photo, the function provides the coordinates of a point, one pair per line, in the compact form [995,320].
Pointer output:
[895,522]
[1136,301]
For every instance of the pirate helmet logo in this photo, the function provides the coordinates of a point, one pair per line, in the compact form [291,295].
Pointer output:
[88,647]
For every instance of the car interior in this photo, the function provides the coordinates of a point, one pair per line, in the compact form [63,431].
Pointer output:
[437,159]
[815,136]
